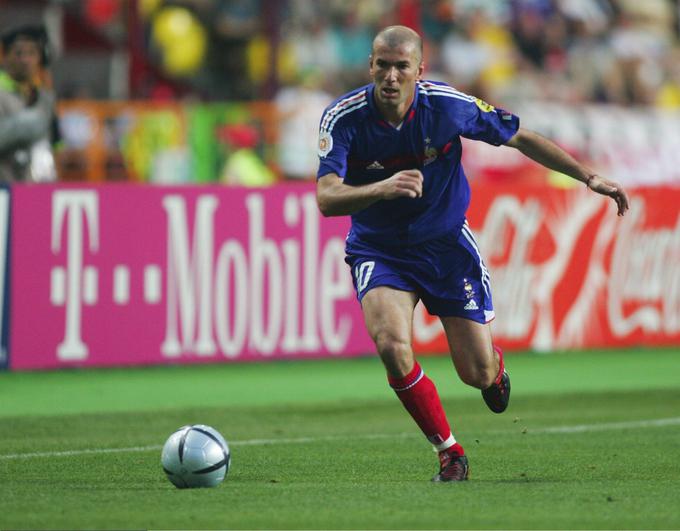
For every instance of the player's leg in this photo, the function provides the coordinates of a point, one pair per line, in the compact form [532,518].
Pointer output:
[388,314]
[478,362]
[461,297]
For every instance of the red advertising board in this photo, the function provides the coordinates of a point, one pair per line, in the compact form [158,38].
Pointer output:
[568,273]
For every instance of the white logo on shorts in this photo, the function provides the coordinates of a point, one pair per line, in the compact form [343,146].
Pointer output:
[471,305]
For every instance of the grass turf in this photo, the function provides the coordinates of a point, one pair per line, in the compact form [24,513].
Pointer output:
[347,456]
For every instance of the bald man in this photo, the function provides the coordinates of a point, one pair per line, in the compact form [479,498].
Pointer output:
[390,156]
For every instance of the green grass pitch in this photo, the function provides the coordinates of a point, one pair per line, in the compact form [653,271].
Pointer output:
[590,441]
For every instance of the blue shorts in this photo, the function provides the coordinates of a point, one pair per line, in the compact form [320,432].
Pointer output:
[447,273]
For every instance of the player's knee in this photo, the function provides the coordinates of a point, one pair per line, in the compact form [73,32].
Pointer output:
[391,346]
[480,377]
[395,353]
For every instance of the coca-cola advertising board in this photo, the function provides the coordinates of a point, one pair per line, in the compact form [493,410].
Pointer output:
[568,273]
[130,274]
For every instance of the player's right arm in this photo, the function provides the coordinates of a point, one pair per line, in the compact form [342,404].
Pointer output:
[335,198]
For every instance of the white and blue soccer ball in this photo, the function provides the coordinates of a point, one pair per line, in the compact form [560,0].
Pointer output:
[196,456]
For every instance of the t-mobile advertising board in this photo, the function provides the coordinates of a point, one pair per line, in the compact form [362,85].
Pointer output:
[131,274]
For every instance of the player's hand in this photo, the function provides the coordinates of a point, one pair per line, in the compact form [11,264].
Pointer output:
[406,183]
[610,188]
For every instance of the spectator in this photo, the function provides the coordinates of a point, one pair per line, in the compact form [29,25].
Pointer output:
[352,40]
[668,96]
[314,46]
[243,166]
[26,108]
[480,57]
[299,107]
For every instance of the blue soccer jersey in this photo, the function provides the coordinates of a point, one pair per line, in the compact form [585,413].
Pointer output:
[357,144]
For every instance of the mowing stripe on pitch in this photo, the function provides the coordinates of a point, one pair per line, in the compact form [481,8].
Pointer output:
[579,428]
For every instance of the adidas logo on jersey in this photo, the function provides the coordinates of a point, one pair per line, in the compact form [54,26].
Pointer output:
[375,165]
[471,305]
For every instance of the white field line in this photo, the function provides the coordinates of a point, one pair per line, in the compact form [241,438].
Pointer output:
[580,428]
[85,451]
[247,442]
[633,424]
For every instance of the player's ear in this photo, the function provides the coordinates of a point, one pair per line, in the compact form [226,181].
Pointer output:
[421,70]
[370,63]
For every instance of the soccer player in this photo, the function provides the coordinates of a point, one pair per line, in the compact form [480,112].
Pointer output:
[390,156]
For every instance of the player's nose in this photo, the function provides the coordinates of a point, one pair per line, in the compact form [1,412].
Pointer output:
[391,74]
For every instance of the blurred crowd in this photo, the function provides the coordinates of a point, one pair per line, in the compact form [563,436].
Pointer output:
[210,64]
[303,53]
[611,51]
[607,51]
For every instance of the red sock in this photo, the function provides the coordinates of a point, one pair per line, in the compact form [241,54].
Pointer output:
[501,367]
[420,398]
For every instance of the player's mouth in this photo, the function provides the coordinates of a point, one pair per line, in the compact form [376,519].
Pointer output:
[389,92]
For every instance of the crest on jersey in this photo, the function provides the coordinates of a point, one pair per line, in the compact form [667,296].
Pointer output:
[484,106]
[430,153]
[325,143]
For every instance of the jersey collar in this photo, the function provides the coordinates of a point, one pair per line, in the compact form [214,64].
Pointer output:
[410,114]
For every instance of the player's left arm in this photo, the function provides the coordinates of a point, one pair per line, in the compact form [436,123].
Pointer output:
[552,156]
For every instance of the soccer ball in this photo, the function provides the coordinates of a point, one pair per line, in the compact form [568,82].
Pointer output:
[196,456]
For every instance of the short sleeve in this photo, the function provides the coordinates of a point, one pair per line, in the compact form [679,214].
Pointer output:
[333,147]
[478,120]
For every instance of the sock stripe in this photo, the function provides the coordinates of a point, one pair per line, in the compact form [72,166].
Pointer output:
[445,445]
[420,375]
